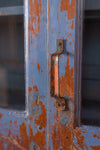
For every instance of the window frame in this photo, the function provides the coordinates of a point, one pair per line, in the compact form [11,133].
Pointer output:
[25,112]
[78,61]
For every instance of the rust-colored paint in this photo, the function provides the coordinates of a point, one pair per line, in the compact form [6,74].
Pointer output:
[0,13]
[68,6]
[40,137]
[95,147]
[72,26]
[61,137]
[70,43]
[1,116]
[80,138]
[38,67]
[34,19]
[15,121]
[10,142]
[69,35]
[34,88]
[23,141]
[66,81]
[95,136]
[41,121]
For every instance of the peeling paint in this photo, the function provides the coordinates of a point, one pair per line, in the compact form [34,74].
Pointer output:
[34,19]
[12,142]
[80,138]
[72,26]
[39,68]
[41,120]
[34,88]
[95,147]
[61,137]
[1,116]
[20,134]
[68,6]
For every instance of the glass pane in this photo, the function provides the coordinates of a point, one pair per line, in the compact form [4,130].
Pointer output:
[91,64]
[7,3]
[12,81]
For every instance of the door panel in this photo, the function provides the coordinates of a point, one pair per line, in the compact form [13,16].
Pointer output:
[27,130]
[62,26]
[44,125]
[37,90]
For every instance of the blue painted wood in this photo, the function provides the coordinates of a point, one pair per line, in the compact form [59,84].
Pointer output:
[45,127]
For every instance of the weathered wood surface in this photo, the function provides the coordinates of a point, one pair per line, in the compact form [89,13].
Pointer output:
[48,128]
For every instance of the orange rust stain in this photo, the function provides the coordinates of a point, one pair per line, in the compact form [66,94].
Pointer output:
[66,81]
[70,43]
[95,147]
[69,35]
[15,121]
[80,138]
[38,67]
[51,3]
[34,88]
[32,62]
[40,137]
[95,136]
[68,6]
[41,121]
[61,136]
[10,121]
[1,116]
[35,13]
[24,137]
[0,13]
[72,26]
[23,140]
[2,147]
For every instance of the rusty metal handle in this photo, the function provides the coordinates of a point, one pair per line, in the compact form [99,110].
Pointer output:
[55,86]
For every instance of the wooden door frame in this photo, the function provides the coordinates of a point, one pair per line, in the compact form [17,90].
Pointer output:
[78,61]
